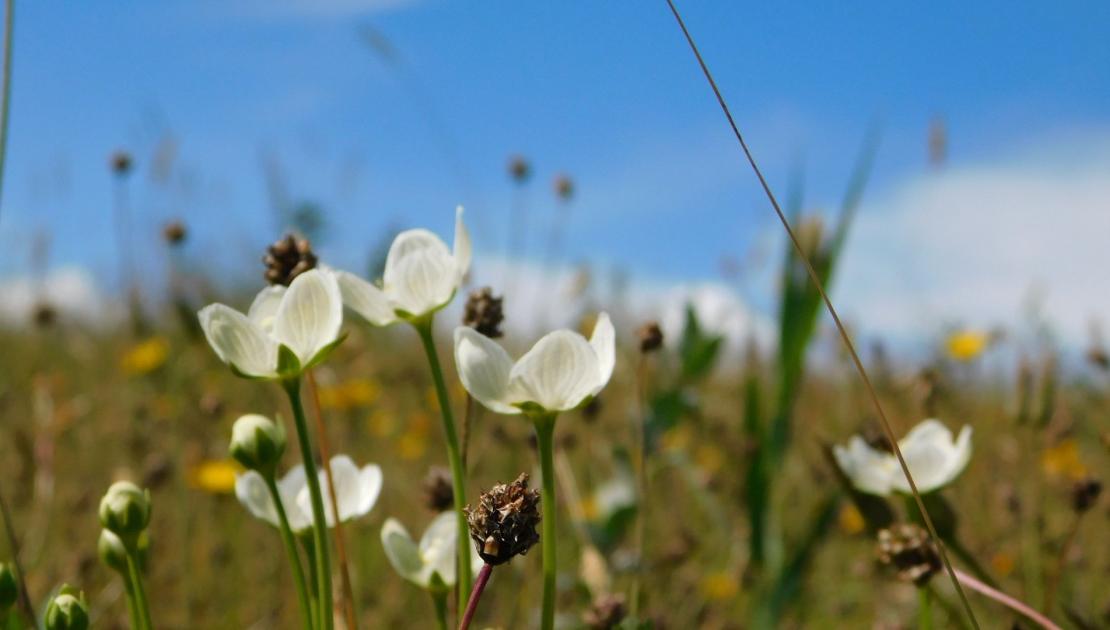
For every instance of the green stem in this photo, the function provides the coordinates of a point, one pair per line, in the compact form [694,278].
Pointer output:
[319,523]
[291,553]
[924,610]
[545,431]
[137,588]
[454,458]
[132,607]
[439,598]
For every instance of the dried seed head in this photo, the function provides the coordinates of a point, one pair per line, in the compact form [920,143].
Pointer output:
[606,612]
[120,162]
[174,232]
[651,337]
[504,523]
[907,548]
[1084,494]
[288,258]
[44,315]
[484,312]
[564,187]
[592,409]
[439,496]
[519,169]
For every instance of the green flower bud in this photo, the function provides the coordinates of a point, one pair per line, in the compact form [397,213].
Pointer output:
[9,587]
[257,443]
[114,555]
[67,611]
[125,511]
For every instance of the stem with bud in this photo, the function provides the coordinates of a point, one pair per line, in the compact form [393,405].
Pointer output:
[137,589]
[291,551]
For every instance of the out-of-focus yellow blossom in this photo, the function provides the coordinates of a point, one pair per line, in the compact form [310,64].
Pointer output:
[350,394]
[850,520]
[589,509]
[215,475]
[677,438]
[1003,563]
[145,357]
[382,423]
[709,458]
[719,586]
[965,345]
[412,445]
[1063,460]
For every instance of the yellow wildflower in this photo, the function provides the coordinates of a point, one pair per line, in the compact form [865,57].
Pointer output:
[710,458]
[719,586]
[589,509]
[1063,460]
[412,444]
[382,423]
[350,394]
[677,438]
[850,520]
[216,476]
[145,357]
[965,345]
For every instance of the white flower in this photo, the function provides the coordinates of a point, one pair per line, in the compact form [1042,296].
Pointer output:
[357,491]
[560,372]
[421,276]
[285,330]
[431,564]
[933,457]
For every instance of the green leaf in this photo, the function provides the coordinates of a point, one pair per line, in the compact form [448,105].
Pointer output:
[698,351]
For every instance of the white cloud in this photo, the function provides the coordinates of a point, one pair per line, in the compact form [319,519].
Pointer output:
[971,244]
[70,291]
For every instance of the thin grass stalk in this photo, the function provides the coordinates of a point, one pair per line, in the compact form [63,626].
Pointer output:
[291,552]
[439,601]
[6,88]
[347,593]
[641,482]
[924,610]
[454,458]
[832,312]
[1010,602]
[319,522]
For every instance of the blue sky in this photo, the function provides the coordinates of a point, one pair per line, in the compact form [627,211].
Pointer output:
[604,91]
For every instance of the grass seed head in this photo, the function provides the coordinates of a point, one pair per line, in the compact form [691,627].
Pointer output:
[484,312]
[503,525]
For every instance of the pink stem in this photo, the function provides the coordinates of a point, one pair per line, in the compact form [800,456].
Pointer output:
[475,595]
[1005,600]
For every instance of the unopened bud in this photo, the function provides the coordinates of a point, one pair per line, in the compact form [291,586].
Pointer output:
[564,187]
[519,168]
[257,443]
[125,511]
[120,163]
[9,587]
[651,337]
[504,523]
[67,611]
[114,555]
[288,258]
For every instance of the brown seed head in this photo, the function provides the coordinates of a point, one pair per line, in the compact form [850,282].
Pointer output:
[174,232]
[1084,494]
[606,612]
[651,337]
[288,258]
[120,162]
[439,496]
[564,187]
[907,548]
[484,312]
[519,169]
[44,315]
[504,523]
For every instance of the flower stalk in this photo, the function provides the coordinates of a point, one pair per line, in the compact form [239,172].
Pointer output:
[545,432]
[454,456]
[319,522]
[142,607]
[439,600]
[291,552]
[475,595]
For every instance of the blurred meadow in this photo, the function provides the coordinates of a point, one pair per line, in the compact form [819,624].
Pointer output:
[947,185]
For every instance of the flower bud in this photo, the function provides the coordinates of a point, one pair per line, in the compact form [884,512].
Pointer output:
[257,443]
[125,511]
[114,555]
[67,611]
[9,587]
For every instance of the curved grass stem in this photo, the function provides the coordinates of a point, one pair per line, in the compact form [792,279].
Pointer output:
[319,522]
[454,458]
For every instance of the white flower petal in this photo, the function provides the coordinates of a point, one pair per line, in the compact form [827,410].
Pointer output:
[310,314]
[365,299]
[438,547]
[484,368]
[558,373]
[604,342]
[291,488]
[933,457]
[462,247]
[869,470]
[265,307]
[402,551]
[251,490]
[423,279]
[370,486]
[238,341]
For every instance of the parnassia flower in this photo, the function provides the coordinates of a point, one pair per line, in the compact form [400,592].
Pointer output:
[356,489]
[561,372]
[932,455]
[285,331]
[430,564]
[421,276]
